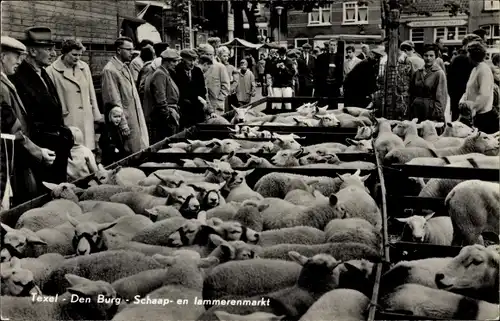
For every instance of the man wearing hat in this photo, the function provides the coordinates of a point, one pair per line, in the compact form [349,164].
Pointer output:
[329,72]
[282,73]
[16,179]
[150,67]
[189,78]
[137,63]
[306,68]
[161,98]
[41,101]
[409,49]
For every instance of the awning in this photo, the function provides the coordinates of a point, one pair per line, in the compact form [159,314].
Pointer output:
[237,42]
[148,32]
[160,4]
[348,37]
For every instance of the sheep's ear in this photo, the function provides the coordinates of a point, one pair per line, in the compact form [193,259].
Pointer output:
[75,279]
[165,189]
[351,141]
[364,178]
[208,262]
[221,185]
[216,239]
[439,124]
[202,217]
[402,220]
[231,154]
[214,221]
[333,199]
[153,213]
[72,220]
[339,176]
[263,207]
[34,239]
[105,226]
[227,251]
[248,172]
[50,186]
[15,263]
[164,260]
[6,228]
[357,172]
[160,178]
[299,153]
[100,167]
[318,194]
[414,120]
[295,136]
[297,257]
[449,124]
[116,170]
[428,216]
[92,183]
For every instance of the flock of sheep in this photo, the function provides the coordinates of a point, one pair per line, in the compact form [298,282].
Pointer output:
[180,245]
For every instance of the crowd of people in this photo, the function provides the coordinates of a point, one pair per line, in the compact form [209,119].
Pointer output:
[49,103]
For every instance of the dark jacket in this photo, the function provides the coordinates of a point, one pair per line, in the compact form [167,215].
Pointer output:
[191,109]
[306,71]
[282,77]
[44,119]
[428,94]
[360,83]
[328,79]
[111,142]
[458,74]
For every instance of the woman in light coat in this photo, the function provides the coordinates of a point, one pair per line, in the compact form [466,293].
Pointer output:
[75,88]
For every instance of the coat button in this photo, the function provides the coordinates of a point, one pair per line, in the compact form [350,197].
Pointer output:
[81,107]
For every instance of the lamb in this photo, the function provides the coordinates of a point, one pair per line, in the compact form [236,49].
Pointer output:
[428,229]
[386,140]
[457,129]
[287,158]
[421,272]
[257,276]
[353,230]
[115,210]
[319,148]
[274,210]
[364,132]
[233,231]
[184,281]
[17,243]
[426,302]
[162,212]
[473,272]
[479,143]
[225,212]
[338,304]
[124,176]
[169,177]
[474,208]
[357,111]
[429,133]
[405,154]
[344,251]
[249,215]
[158,233]
[243,115]
[49,215]
[257,162]
[183,198]
[408,130]
[65,191]
[107,266]
[332,161]
[304,198]
[224,146]
[348,121]
[359,146]
[16,280]
[105,192]
[239,189]
[209,195]
[331,120]
[89,237]
[40,267]
[62,308]
[232,160]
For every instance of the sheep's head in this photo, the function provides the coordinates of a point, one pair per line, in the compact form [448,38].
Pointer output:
[240,115]
[194,231]
[266,147]
[224,146]
[194,144]
[328,120]
[227,157]
[483,143]
[208,194]
[353,180]
[88,237]
[64,191]
[103,176]
[234,231]
[181,145]
[306,109]
[221,171]
[363,146]
[316,275]
[239,177]
[459,129]
[89,289]
[286,141]
[316,158]
[473,269]
[184,199]
[232,250]
[406,127]
[287,157]
[17,281]
[16,242]
[171,181]
[303,122]
[417,225]
[364,132]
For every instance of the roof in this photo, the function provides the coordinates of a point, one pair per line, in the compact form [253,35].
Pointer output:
[433,6]
[237,42]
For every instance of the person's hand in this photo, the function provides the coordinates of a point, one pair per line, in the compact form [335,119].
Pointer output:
[126,131]
[48,156]
[202,101]
[175,116]
[100,120]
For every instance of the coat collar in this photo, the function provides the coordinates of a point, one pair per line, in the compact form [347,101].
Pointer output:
[59,66]
[11,86]
[122,67]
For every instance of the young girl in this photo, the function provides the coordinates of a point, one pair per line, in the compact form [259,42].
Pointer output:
[111,140]
[82,162]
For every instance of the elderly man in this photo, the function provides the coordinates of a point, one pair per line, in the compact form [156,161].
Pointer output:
[16,179]
[192,91]
[223,54]
[216,43]
[216,79]
[162,97]
[306,68]
[119,90]
[409,49]
[43,107]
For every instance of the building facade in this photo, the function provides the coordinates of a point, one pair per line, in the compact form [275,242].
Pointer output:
[438,24]
[344,19]
[485,14]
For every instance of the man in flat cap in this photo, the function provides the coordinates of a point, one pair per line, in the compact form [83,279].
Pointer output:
[119,90]
[16,179]
[162,98]
[409,49]
[41,100]
[149,68]
[306,69]
[216,79]
[189,78]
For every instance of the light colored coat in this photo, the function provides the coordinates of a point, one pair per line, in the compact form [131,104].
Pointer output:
[118,90]
[246,86]
[76,93]
[217,82]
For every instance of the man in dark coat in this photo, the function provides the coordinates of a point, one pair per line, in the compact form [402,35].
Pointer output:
[44,111]
[329,72]
[361,82]
[191,82]
[306,69]
[458,75]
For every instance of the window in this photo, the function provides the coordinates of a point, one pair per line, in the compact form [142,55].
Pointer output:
[300,41]
[492,31]
[353,13]
[491,4]
[417,35]
[321,16]
[450,33]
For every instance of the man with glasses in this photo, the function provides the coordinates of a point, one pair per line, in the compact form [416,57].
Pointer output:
[44,117]
[119,90]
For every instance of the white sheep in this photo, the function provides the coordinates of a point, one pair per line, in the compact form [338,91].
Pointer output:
[65,191]
[426,302]
[239,190]
[353,230]
[405,154]
[386,140]
[17,242]
[208,194]
[40,267]
[115,210]
[51,214]
[359,146]
[17,280]
[429,133]
[89,237]
[428,229]
[474,208]
[331,120]
[338,304]
[408,131]
[120,176]
[293,235]
[248,215]
[304,198]
[162,212]
[232,160]
[473,272]
[358,111]
[457,129]
[479,143]
[442,161]
[364,132]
